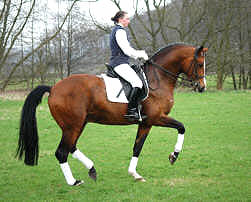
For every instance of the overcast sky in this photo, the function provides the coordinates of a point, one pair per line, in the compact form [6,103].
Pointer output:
[102,10]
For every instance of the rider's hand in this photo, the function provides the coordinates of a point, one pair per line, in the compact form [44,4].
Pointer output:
[142,54]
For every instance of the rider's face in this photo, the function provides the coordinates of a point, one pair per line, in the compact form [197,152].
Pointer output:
[124,20]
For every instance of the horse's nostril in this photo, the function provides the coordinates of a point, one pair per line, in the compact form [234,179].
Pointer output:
[201,89]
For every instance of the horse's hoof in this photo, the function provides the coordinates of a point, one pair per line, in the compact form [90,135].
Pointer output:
[92,174]
[172,158]
[140,179]
[136,176]
[78,182]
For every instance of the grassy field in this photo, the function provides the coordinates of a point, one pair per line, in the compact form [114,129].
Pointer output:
[215,164]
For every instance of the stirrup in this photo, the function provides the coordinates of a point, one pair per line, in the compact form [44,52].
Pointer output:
[135,114]
[132,117]
[141,117]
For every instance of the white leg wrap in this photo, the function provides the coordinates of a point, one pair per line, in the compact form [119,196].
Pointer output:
[132,169]
[83,159]
[205,82]
[180,140]
[67,173]
[133,165]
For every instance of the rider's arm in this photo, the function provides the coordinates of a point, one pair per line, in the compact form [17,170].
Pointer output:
[124,44]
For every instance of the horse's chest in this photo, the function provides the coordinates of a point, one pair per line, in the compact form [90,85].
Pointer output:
[162,106]
[167,106]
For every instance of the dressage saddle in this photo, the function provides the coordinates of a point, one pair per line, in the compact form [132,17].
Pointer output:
[132,97]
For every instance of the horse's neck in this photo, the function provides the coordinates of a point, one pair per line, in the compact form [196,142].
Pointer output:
[161,84]
[167,77]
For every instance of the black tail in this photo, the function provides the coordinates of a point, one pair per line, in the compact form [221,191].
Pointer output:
[28,136]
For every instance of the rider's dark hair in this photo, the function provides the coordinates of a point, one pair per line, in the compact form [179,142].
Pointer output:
[119,14]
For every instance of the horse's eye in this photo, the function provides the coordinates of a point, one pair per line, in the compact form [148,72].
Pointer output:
[201,65]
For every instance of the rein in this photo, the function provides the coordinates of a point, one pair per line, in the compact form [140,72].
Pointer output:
[173,76]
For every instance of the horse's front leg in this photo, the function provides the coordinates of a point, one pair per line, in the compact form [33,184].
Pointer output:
[166,121]
[139,142]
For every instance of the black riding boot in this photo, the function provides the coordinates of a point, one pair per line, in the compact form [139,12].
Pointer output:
[133,114]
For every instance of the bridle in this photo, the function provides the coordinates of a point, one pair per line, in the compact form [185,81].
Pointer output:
[191,82]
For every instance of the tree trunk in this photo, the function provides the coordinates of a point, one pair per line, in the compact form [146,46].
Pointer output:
[249,74]
[233,78]
[219,85]
[69,45]
[32,49]
[249,47]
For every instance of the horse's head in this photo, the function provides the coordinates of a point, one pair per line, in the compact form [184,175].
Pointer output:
[195,68]
[180,58]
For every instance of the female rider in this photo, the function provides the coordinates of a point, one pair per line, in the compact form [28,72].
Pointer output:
[121,51]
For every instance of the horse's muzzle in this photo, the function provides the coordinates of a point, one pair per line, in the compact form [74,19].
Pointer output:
[201,89]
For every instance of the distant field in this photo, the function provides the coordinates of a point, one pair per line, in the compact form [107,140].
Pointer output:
[215,164]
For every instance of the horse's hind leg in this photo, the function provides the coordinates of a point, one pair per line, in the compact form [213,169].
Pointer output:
[61,154]
[66,146]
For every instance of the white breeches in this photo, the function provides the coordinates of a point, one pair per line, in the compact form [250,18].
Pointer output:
[126,72]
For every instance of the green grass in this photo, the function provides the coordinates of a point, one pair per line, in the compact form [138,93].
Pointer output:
[215,164]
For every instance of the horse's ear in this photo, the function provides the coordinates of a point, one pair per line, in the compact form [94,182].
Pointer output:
[200,51]
[205,50]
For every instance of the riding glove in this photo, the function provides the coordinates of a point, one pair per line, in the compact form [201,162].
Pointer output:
[142,54]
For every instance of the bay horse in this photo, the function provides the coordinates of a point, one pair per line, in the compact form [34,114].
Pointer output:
[81,98]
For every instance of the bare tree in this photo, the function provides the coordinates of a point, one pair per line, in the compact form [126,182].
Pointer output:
[249,46]
[220,31]
[12,25]
[243,32]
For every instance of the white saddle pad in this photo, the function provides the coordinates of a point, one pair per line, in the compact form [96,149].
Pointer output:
[113,88]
